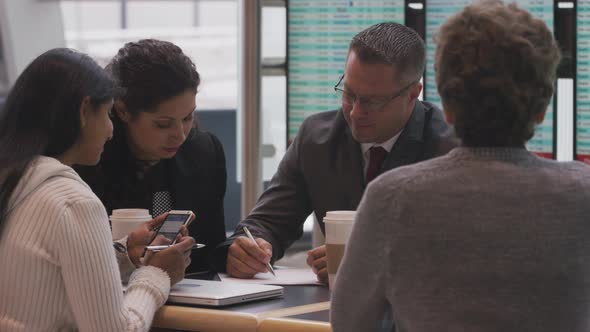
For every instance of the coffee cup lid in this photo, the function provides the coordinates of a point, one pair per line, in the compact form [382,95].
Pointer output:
[340,215]
[143,218]
[131,213]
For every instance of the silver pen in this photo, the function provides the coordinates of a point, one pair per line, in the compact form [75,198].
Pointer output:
[166,246]
[252,238]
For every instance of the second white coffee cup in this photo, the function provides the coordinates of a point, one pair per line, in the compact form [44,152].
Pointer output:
[124,221]
[338,227]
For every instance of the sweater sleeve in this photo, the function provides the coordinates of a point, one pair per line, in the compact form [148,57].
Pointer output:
[359,302]
[126,267]
[91,275]
[283,207]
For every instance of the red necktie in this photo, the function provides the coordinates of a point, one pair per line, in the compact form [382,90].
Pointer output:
[376,156]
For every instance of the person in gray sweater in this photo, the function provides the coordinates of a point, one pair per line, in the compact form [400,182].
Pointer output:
[489,237]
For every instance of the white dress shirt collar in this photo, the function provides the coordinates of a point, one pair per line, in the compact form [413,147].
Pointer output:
[387,145]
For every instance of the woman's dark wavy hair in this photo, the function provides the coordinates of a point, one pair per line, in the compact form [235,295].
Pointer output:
[150,72]
[495,70]
[41,115]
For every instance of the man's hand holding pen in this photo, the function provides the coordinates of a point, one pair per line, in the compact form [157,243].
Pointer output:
[248,256]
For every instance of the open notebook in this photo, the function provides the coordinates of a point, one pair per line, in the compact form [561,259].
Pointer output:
[284,276]
[217,293]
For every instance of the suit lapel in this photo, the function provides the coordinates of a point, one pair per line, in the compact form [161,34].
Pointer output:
[351,162]
[408,148]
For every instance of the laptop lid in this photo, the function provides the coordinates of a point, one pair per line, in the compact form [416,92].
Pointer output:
[217,293]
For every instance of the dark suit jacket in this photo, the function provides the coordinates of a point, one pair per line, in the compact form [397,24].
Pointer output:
[323,170]
[197,178]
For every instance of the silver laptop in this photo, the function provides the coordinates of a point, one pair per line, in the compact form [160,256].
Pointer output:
[217,293]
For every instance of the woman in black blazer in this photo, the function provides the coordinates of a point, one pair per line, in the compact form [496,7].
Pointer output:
[159,159]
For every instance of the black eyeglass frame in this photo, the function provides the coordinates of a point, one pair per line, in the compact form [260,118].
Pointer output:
[380,105]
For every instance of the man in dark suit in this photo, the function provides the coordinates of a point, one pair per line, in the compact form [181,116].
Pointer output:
[380,126]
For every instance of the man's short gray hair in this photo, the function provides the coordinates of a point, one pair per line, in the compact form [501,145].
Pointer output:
[394,44]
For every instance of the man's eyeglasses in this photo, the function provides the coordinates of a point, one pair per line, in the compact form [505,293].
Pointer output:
[370,104]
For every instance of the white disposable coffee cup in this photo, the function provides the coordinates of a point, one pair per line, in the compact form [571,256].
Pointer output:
[338,225]
[124,221]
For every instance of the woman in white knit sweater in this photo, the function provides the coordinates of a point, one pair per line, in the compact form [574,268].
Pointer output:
[59,270]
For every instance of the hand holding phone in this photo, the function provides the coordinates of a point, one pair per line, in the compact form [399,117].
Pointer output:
[142,236]
[171,226]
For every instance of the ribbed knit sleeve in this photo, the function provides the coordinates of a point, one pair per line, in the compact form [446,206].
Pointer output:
[91,275]
[126,267]
[59,271]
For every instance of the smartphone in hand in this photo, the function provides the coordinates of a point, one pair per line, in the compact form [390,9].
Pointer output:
[172,224]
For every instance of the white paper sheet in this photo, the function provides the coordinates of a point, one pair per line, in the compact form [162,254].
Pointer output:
[284,277]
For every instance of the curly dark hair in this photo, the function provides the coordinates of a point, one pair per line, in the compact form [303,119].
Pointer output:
[495,71]
[152,71]
[149,72]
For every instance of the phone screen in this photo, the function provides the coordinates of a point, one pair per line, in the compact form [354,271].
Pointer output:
[172,224]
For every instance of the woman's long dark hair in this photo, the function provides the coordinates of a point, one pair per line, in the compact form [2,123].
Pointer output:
[41,115]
